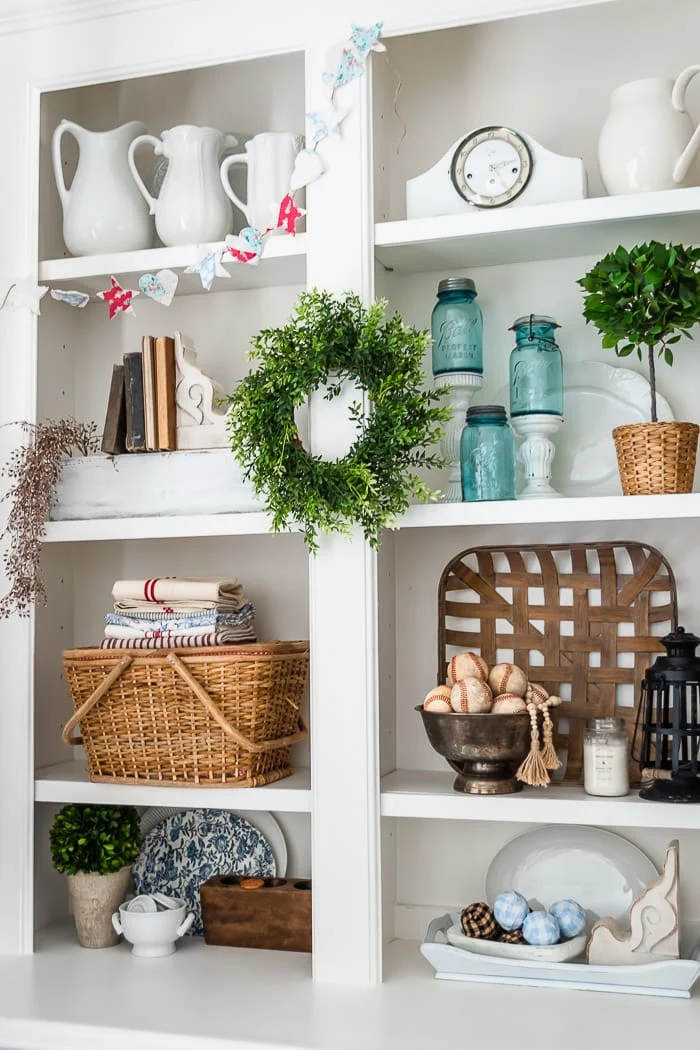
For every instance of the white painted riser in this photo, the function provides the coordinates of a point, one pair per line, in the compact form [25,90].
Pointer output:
[152,483]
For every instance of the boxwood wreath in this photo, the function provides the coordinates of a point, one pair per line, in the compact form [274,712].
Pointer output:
[329,340]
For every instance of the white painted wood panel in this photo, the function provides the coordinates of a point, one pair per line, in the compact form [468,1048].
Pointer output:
[411,1011]
[429,795]
[69,782]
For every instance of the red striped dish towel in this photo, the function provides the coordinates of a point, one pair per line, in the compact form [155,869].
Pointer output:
[179,592]
[173,641]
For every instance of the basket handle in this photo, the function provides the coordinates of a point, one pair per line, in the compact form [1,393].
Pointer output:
[102,688]
[202,695]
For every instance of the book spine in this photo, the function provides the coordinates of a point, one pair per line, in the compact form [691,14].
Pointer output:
[133,388]
[114,433]
[165,393]
[149,392]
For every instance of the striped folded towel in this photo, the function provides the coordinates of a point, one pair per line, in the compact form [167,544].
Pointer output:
[158,619]
[178,592]
[227,635]
[171,641]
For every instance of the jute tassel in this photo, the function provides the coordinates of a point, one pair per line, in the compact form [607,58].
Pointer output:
[533,770]
[549,755]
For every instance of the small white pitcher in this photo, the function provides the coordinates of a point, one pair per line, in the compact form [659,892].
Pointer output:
[649,141]
[191,207]
[269,158]
[102,211]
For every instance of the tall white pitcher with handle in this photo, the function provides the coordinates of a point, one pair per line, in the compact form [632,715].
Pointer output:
[191,207]
[269,158]
[649,141]
[102,209]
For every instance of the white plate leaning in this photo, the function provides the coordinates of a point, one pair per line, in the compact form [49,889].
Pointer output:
[602,871]
[552,953]
[598,398]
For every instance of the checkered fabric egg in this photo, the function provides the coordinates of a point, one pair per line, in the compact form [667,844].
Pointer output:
[478,921]
[510,909]
[540,929]
[571,918]
[512,937]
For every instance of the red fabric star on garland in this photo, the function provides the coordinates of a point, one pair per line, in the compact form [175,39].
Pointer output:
[118,298]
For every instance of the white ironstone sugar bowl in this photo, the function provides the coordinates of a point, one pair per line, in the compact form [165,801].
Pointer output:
[153,934]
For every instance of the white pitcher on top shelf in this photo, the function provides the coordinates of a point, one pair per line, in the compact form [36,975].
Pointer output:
[269,158]
[649,141]
[192,207]
[102,210]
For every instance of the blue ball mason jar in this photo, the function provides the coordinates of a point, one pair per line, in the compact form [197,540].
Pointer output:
[536,370]
[457,328]
[487,455]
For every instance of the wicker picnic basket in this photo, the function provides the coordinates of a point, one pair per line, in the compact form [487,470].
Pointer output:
[206,717]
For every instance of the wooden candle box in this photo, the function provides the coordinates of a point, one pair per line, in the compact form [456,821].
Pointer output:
[276,914]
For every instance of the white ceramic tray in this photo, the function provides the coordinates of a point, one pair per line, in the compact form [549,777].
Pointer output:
[566,951]
[673,979]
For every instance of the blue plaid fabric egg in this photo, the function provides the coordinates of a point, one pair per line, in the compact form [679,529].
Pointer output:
[510,909]
[540,928]
[571,918]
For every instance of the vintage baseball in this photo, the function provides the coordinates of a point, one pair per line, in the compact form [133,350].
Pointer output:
[471,696]
[509,704]
[507,678]
[438,700]
[467,665]
[536,693]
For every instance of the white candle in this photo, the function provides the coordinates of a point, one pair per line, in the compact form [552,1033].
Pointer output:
[605,770]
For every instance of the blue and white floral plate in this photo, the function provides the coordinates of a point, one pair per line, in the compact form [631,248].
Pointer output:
[190,846]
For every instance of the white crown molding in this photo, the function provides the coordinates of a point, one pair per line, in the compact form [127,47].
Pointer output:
[16,17]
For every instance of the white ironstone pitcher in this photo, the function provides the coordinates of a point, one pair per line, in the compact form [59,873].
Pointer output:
[192,207]
[269,158]
[102,210]
[649,141]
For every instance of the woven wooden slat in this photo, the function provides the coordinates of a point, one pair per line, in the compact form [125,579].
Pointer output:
[583,619]
[200,718]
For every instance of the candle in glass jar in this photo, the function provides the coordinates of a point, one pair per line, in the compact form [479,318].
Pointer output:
[605,770]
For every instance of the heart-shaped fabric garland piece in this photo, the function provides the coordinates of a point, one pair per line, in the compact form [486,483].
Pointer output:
[160,287]
[308,167]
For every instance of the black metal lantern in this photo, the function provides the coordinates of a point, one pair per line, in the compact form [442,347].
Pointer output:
[669,722]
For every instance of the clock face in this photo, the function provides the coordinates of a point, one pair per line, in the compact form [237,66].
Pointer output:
[491,167]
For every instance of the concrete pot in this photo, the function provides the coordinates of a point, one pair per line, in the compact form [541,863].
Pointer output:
[93,899]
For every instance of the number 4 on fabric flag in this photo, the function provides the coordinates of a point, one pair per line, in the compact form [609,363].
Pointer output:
[289,213]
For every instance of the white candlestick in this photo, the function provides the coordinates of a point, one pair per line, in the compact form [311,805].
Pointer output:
[537,453]
[461,387]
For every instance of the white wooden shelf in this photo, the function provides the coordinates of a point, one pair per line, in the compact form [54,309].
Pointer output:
[535,232]
[434,515]
[253,524]
[68,782]
[283,262]
[64,997]
[536,511]
[429,794]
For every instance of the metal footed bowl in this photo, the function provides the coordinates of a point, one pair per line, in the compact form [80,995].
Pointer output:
[484,750]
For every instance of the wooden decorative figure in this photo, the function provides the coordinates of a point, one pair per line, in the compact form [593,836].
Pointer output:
[200,422]
[654,927]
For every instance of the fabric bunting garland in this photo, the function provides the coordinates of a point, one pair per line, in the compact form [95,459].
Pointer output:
[347,61]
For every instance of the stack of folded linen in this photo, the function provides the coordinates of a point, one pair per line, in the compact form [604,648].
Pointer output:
[178,612]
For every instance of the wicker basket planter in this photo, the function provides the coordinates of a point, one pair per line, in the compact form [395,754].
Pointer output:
[656,458]
[206,717]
